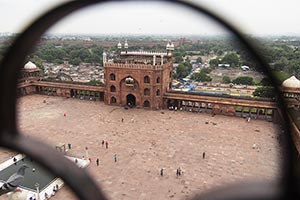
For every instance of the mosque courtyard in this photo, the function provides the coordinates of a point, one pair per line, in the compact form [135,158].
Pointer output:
[146,141]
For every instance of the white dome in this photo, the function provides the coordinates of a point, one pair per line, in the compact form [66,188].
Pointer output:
[119,45]
[104,54]
[126,45]
[291,82]
[29,65]
[168,46]
[172,46]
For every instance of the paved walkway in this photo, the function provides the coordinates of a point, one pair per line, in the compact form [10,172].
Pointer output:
[147,141]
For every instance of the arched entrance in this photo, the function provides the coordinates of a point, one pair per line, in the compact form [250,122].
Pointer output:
[130,100]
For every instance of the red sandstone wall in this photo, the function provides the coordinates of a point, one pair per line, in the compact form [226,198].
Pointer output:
[138,91]
[63,92]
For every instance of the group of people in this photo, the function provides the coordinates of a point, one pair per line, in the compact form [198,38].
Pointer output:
[55,189]
[179,172]
[32,198]
[106,144]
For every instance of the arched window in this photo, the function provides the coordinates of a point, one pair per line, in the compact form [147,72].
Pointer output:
[112,77]
[158,80]
[146,104]
[146,92]
[157,92]
[146,79]
[112,88]
[113,100]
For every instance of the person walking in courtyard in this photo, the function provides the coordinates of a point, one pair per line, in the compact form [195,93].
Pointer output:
[203,155]
[122,120]
[106,144]
[102,143]
[161,172]
[97,161]
[115,157]
[178,172]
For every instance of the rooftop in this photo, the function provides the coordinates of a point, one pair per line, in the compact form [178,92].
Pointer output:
[145,53]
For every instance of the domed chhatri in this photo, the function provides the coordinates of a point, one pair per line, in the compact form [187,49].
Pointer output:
[291,82]
[30,65]
[119,45]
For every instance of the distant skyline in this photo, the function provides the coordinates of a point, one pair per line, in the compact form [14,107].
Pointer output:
[257,17]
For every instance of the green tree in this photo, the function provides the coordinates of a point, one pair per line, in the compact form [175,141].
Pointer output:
[281,76]
[75,61]
[220,52]
[265,81]
[58,61]
[199,59]
[281,64]
[206,70]
[243,80]
[214,62]
[183,69]
[231,58]
[178,59]
[202,77]
[267,92]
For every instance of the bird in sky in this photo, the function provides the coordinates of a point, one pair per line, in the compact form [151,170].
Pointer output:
[13,181]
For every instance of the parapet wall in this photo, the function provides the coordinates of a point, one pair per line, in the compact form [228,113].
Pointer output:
[134,66]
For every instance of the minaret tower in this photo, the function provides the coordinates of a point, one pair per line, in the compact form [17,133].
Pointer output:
[170,47]
[104,58]
[126,46]
[119,46]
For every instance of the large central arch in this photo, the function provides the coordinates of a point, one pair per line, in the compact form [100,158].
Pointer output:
[130,100]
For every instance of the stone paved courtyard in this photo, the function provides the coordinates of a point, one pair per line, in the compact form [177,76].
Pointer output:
[147,141]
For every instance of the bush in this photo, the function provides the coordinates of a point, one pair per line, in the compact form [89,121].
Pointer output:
[202,77]
[226,79]
[243,80]
[267,92]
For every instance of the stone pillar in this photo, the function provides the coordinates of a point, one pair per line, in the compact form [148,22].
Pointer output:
[154,60]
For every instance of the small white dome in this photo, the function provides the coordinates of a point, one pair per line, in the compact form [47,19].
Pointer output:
[29,65]
[291,82]
[104,54]
[172,46]
[126,45]
[119,45]
[168,46]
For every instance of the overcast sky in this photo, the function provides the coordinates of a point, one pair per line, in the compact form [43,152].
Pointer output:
[251,16]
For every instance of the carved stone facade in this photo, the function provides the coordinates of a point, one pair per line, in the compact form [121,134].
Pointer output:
[138,79]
